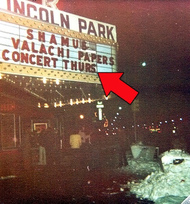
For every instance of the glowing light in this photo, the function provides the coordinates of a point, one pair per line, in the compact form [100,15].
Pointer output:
[1,76]
[173,131]
[166,121]
[71,102]
[44,80]
[39,105]
[89,100]
[143,64]
[172,120]
[89,182]
[57,81]
[77,101]
[120,108]
[55,105]
[122,189]
[83,101]
[60,103]
[181,119]
[46,105]
[81,116]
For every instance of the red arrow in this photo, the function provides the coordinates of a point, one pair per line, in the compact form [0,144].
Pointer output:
[112,82]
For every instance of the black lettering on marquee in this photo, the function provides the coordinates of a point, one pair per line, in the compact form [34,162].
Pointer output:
[19,9]
[44,12]
[15,43]
[29,34]
[65,23]
[91,29]
[30,9]
[52,18]
[82,25]
[109,32]
[101,30]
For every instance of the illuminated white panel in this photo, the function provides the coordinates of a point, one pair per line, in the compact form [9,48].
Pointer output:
[103,48]
[26,46]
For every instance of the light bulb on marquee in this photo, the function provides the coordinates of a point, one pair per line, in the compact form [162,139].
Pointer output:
[57,81]
[60,103]
[44,80]
[39,105]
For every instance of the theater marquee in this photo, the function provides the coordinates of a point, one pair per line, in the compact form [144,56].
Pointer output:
[40,41]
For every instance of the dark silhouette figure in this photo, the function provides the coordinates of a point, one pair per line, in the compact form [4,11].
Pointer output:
[122,142]
[47,140]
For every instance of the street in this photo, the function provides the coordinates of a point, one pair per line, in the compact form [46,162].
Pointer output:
[65,184]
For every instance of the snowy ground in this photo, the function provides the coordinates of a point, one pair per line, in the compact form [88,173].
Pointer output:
[170,186]
[141,167]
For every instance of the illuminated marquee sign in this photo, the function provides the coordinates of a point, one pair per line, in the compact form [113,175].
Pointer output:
[60,18]
[32,47]
[89,48]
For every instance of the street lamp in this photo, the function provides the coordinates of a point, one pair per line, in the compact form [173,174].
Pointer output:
[143,64]
[81,116]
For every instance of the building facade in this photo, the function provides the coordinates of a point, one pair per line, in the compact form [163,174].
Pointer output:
[49,60]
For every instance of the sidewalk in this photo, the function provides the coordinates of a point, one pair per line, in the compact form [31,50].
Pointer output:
[59,185]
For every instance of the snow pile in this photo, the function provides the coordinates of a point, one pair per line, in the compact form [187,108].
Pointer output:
[174,182]
[142,166]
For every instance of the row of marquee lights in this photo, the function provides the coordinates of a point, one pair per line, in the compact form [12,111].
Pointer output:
[149,127]
[60,103]
[71,102]
[44,79]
